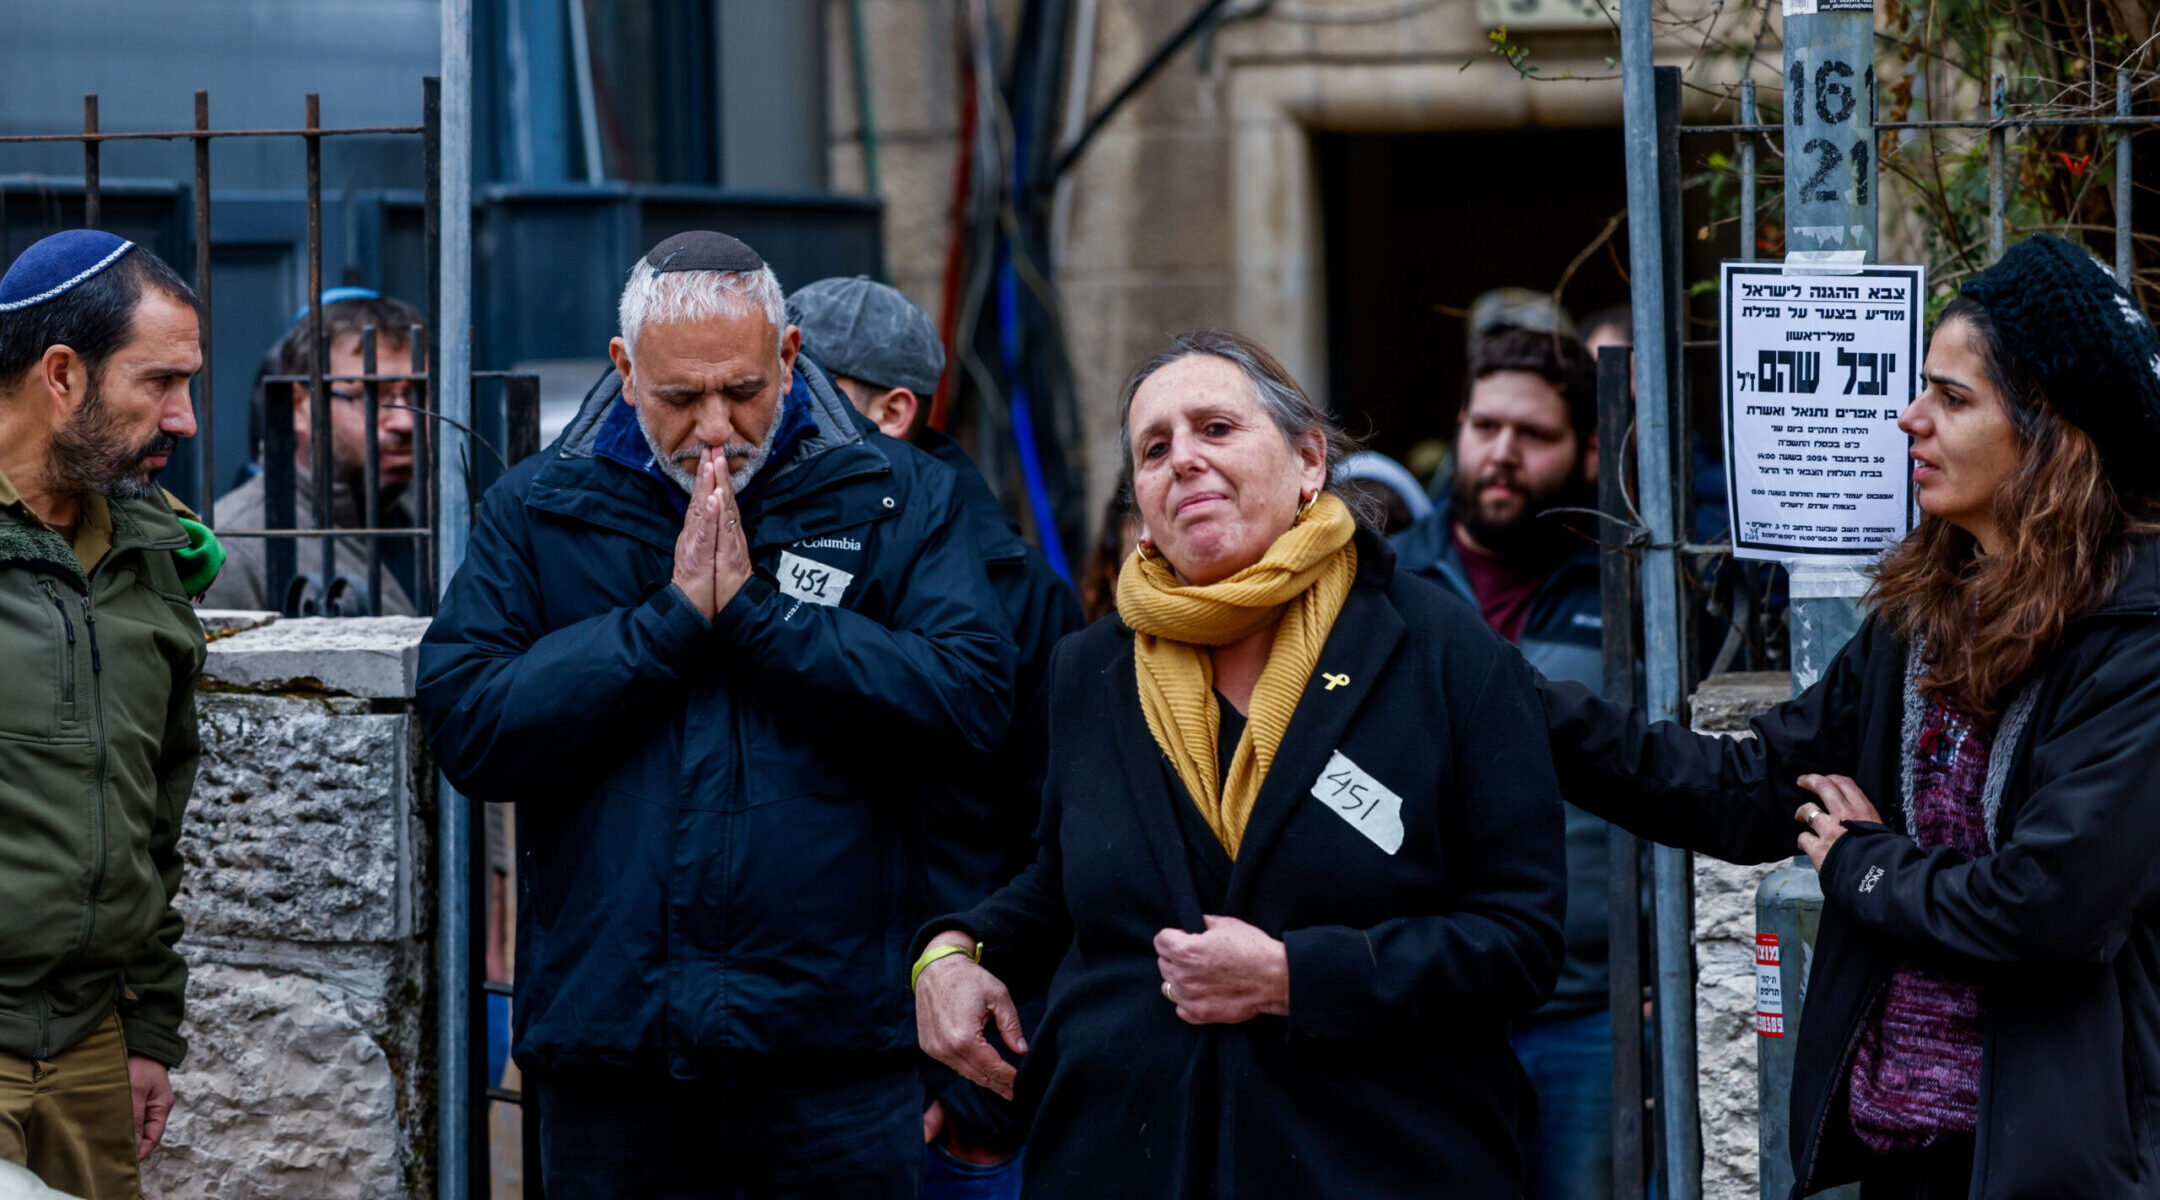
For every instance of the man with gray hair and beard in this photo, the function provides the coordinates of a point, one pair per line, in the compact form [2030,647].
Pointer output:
[711,642]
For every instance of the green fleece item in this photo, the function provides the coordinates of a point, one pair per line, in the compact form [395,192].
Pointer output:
[201,560]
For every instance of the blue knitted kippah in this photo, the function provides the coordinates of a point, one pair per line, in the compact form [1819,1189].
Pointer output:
[2081,334]
[332,296]
[54,265]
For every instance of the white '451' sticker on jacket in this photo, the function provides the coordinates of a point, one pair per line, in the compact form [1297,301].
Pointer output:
[808,579]
[1363,801]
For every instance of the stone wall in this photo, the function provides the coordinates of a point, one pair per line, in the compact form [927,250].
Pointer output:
[1725,965]
[309,994]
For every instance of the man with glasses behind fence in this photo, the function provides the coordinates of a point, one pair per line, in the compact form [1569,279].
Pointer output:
[98,742]
[245,582]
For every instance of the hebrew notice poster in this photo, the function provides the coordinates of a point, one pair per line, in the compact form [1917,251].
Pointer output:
[1816,370]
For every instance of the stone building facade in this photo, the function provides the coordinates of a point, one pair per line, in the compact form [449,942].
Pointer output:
[1201,202]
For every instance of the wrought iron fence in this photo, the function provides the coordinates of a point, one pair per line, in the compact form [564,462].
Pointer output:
[319,588]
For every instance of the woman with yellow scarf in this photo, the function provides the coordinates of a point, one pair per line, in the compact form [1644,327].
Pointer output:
[1301,845]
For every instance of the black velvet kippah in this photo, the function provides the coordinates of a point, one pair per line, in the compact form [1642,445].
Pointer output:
[702,250]
[2064,317]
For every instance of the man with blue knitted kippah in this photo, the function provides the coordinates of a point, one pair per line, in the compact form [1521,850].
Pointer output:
[98,742]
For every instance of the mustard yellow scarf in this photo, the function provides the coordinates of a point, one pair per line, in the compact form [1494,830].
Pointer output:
[1303,580]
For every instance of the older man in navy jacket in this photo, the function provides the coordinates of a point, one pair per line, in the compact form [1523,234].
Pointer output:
[704,640]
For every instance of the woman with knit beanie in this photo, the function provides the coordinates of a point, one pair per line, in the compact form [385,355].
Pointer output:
[1977,776]
[1301,853]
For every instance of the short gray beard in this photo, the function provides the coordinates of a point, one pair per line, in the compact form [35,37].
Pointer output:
[685,477]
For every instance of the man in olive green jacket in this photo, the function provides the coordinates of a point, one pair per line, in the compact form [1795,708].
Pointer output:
[98,743]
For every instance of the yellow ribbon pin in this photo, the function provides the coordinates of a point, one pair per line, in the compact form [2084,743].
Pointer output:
[1335,681]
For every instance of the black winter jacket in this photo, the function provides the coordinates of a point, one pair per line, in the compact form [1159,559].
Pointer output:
[1391,1076]
[981,829]
[983,835]
[1563,637]
[720,826]
[2058,925]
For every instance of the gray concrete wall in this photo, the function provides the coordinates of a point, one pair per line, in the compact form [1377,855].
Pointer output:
[310,986]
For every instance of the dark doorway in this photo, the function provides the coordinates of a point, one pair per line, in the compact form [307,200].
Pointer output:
[1417,225]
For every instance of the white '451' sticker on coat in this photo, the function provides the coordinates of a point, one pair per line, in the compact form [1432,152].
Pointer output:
[808,579]
[1363,801]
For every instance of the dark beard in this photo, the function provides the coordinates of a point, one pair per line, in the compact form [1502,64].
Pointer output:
[1537,534]
[91,453]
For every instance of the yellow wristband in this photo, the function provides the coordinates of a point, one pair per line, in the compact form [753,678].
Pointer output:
[935,953]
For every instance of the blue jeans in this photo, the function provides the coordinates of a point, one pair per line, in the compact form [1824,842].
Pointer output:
[498,1037]
[797,1136]
[1569,1061]
[947,1178]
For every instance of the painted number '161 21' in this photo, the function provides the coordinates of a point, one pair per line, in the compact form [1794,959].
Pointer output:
[1831,101]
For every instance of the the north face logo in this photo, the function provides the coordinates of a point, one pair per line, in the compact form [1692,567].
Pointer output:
[1873,876]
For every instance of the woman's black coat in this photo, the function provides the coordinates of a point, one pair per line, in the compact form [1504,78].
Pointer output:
[2057,925]
[1392,1075]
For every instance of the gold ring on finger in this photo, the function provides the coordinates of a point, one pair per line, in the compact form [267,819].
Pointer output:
[1168,994]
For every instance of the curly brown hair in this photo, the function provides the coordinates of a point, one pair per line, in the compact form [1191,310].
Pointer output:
[1989,619]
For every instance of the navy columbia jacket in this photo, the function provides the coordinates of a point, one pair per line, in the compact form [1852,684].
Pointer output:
[720,830]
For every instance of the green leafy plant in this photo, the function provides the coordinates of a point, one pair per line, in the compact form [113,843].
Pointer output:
[1510,52]
[1936,60]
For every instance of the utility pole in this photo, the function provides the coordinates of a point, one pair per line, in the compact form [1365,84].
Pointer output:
[461,1146]
[1656,356]
[1830,211]
[1830,226]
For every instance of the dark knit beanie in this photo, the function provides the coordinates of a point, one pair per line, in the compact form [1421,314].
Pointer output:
[2064,318]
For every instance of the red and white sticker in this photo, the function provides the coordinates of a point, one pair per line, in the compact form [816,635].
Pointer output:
[1769,988]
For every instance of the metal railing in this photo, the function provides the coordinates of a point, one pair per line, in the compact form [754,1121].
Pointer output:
[323,590]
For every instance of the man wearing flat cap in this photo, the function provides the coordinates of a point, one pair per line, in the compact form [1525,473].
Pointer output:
[712,641]
[98,743]
[883,354]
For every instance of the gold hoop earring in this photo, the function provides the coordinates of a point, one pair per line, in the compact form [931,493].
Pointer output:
[1306,507]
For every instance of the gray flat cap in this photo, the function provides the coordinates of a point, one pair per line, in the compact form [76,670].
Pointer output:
[865,330]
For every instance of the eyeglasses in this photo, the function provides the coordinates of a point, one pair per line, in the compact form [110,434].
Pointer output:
[392,393]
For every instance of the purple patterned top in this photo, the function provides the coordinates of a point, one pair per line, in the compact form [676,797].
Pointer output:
[1916,1070]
